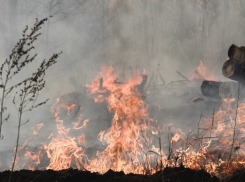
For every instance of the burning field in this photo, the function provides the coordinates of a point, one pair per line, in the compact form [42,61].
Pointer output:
[135,140]
[132,90]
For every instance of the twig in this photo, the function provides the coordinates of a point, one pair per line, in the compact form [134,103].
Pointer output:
[182,76]
[199,127]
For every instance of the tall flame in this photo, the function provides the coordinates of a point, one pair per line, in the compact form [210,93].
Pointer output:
[216,145]
[123,138]
[202,72]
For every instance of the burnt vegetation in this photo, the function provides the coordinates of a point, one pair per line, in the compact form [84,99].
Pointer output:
[179,174]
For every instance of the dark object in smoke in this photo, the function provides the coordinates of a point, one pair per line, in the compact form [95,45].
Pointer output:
[76,111]
[229,90]
[237,54]
[233,71]
[211,89]
[101,83]
[231,50]
[179,174]
[228,68]
[120,96]
[141,86]
[220,90]
[117,82]
[238,176]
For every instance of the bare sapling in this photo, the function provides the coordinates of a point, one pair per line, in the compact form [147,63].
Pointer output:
[26,91]
[14,64]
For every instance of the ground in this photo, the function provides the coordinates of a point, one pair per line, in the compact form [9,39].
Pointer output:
[179,174]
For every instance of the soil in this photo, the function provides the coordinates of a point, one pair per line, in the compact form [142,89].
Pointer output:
[178,174]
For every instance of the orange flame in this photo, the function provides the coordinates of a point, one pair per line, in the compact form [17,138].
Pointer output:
[129,145]
[76,124]
[81,138]
[123,138]
[202,72]
[175,138]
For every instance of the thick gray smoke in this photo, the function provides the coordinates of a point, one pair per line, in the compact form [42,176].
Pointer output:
[128,35]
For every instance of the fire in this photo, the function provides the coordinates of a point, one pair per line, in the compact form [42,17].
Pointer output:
[123,138]
[130,142]
[101,135]
[57,106]
[81,138]
[34,156]
[68,106]
[76,124]
[63,149]
[175,138]
[25,143]
[202,73]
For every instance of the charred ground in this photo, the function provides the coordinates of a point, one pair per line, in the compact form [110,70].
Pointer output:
[179,174]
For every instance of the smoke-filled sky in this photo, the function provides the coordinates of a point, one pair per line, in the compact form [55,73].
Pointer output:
[126,34]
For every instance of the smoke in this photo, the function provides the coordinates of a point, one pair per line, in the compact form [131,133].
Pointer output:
[129,35]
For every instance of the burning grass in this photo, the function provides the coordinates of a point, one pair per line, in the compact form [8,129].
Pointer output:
[134,143]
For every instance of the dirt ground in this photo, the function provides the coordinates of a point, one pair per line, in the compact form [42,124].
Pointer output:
[179,174]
